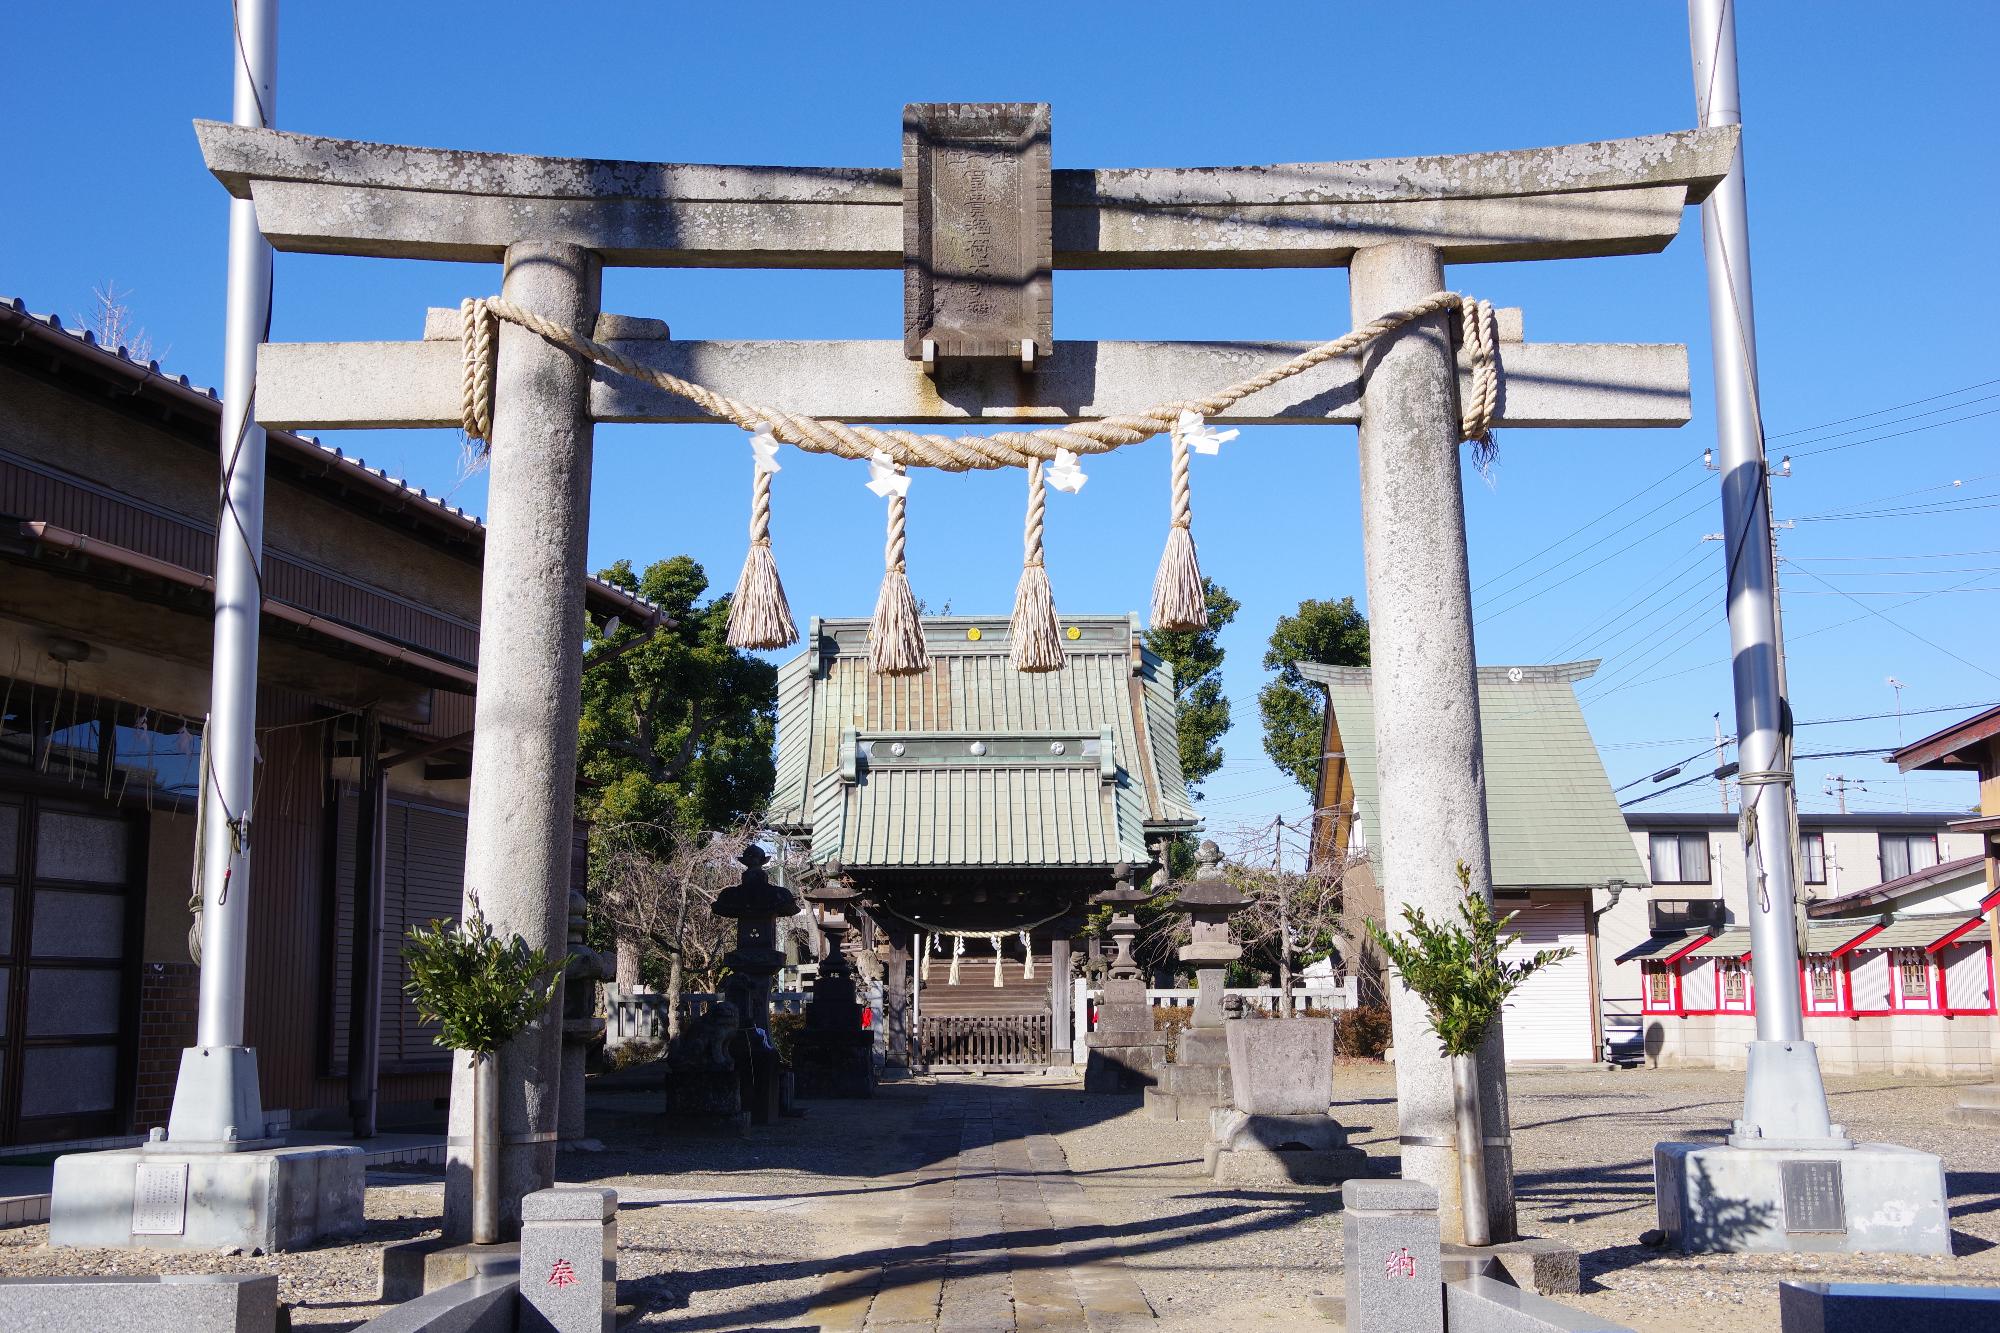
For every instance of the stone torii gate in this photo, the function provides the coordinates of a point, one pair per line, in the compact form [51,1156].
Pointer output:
[976,219]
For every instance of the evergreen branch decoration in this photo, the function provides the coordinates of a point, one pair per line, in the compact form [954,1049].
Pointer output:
[480,989]
[1456,969]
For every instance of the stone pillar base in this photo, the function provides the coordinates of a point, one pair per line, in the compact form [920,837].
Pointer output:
[1125,1064]
[1977,1105]
[276,1199]
[1246,1149]
[1871,1197]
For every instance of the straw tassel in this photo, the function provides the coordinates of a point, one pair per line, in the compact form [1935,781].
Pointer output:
[1036,642]
[1028,951]
[1178,600]
[759,616]
[998,958]
[957,952]
[896,638]
[924,951]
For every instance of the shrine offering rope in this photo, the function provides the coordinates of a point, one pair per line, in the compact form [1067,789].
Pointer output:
[759,615]
[962,453]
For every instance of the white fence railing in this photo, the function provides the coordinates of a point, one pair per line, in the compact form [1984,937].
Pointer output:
[1342,993]
[641,1015]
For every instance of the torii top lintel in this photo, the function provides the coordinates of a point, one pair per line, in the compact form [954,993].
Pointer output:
[343,196]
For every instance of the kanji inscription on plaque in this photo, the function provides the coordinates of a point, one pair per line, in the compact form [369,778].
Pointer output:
[1815,1199]
[977,244]
[159,1199]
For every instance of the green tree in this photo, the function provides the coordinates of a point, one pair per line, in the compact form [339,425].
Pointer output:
[1202,714]
[1293,709]
[1456,968]
[678,727]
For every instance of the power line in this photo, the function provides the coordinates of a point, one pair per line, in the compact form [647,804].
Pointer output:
[1897,434]
[1578,532]
[1881,411]
[1914,416]
[1638,541]
[1929,643]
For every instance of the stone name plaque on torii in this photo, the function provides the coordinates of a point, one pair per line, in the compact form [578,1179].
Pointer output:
[977,231]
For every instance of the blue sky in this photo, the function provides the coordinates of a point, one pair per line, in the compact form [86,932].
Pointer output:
[1872,191]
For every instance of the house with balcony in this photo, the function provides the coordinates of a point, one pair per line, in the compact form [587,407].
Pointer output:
[1896,972]
[369,645]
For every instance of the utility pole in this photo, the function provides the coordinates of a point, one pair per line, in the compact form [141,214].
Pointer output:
[1837,784]
[1721,759]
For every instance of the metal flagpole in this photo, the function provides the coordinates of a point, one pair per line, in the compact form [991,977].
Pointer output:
[216,1099]
[1784,1100]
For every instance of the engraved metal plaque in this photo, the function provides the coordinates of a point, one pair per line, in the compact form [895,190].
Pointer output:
[1815,1199]
[976,229]
[159,1199]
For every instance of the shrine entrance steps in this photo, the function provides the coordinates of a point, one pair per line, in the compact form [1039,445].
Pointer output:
[987,1237]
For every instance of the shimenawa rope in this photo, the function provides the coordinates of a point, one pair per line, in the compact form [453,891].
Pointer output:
[897,641]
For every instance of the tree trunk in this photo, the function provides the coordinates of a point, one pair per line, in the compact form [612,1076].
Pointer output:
[674,969]
[628,965]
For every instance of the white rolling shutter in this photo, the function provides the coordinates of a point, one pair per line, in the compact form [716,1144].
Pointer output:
[1549,1017]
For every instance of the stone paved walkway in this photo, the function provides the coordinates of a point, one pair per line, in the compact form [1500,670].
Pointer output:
[989,1235]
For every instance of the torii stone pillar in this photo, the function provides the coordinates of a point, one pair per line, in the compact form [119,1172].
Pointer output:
[1430,769]
[523,804]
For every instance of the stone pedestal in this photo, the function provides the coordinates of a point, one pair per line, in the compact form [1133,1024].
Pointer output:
[1197,1082]
[569,1261]
[704,1087]
[1977,1105]
[1868,1197]
[1126,1052]
[182,1302]
[1278,1128]
[1389,1249]
[275,1199]
[834,1064]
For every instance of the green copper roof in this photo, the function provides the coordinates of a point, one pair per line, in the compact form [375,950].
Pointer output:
[1551,815]
[974,763]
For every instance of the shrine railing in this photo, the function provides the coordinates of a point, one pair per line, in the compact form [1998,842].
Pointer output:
[641,1016]
[995,1043]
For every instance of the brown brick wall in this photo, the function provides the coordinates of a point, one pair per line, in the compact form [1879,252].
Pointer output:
[167,995]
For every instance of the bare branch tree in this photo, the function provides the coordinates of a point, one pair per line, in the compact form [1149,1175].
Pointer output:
[1294,916]
[658,906]
[111,321]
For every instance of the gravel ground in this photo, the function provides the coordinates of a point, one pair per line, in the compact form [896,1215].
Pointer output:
[719,1234]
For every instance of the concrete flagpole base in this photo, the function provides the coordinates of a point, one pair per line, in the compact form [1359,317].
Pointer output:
[1787,1180]
[159,1197]
[214,1180]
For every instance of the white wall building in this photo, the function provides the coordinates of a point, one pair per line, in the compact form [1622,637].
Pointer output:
[1898,973]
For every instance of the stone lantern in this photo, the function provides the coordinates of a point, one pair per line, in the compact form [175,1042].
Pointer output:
[1126,1053]
[756,904]
[1209,902]
[834,1056]
[1198,1081]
